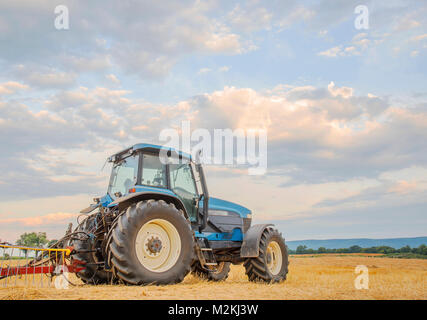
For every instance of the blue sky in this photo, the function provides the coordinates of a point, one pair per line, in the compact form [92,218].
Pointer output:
[345,109]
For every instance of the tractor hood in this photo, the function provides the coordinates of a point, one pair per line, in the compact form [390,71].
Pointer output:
[218,204]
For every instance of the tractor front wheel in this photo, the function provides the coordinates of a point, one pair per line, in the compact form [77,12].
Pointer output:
[271,265]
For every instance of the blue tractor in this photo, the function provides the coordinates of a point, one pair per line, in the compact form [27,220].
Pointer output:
[157,223]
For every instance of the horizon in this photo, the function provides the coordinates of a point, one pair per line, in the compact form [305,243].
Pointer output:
[360,238]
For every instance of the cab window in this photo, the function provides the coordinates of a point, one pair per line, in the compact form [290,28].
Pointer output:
[183,185]
[182,179]
[153,171]
[124,175]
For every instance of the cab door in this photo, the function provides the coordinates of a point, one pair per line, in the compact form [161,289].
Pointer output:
[182,183]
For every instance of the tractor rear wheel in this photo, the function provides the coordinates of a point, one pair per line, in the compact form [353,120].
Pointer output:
[218,275]
[152,243]
[90,256]
[271,265]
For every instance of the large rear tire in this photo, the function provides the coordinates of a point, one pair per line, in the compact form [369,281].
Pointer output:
[219,275]
[152,243]
[271,265]
[90,256]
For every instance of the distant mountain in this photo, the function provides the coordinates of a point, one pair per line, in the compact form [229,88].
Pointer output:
[396,243]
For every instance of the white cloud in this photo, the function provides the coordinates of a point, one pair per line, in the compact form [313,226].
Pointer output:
[208,70]
[296,15]
[360,35]
[204,70]
[391,25]
[11,87]
[44,77]
[322,133]
[145,39]
[332,52]
[244,18]
[419,37]
[406,22]
[113,78]
[415,53]
[224,42]
[59,218]
[87,64]
[358,44]
[345,92]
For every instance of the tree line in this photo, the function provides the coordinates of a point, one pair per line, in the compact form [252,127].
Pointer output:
[421,250]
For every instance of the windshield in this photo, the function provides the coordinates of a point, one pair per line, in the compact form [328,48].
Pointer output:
[123,176]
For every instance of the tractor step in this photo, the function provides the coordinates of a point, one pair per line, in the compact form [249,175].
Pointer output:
[205,253]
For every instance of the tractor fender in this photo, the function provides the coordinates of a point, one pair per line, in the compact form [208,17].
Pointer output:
[125,201]
[250,245]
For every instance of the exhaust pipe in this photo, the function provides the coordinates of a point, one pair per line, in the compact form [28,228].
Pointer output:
[204,221]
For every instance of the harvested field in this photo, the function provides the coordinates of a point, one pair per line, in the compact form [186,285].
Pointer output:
[310,277]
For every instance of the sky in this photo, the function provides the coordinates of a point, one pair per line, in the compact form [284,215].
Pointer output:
[345,108]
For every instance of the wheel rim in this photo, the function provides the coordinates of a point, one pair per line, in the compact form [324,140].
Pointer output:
[158,245]
[274,258]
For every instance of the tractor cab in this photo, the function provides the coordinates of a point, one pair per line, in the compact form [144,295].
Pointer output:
[140,171]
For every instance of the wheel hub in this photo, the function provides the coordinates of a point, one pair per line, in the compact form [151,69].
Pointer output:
[154,245]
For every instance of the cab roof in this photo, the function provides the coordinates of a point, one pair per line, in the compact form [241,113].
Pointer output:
[151,148]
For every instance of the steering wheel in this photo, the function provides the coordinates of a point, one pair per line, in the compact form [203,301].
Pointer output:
[158,181]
